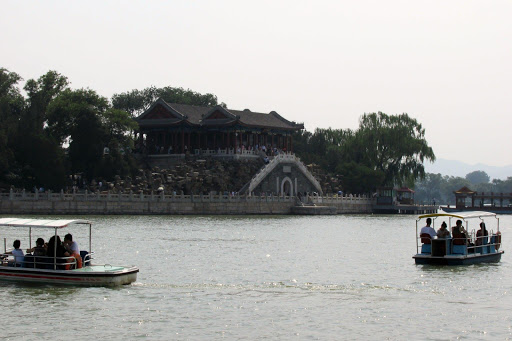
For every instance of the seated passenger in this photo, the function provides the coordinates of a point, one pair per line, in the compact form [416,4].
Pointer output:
[459,234]
[73,249]
[39,249]
[427,233]
[443,231]
[17,253]
[56,249]
[481,235]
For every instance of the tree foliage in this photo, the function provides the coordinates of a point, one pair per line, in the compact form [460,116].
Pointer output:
[384,150]
[11,106]
[478,177]
[136,101]
[56,131]
[440,188]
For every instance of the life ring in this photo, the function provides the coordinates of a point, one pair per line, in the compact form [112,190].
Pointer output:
[497,240]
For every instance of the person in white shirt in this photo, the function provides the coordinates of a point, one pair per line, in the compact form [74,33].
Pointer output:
[428,229]
[70,245]
[17,253]
[73,249]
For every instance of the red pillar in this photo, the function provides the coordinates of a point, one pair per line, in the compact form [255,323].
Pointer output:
[182,141]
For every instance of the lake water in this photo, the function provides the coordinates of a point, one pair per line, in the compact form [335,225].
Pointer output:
[304,278]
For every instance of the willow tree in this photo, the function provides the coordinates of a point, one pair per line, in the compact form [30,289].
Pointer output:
[394,145]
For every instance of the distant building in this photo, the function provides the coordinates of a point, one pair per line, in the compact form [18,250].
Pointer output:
[170,128]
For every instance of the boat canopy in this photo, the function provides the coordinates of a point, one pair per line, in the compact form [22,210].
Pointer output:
[460,215]
[40,223]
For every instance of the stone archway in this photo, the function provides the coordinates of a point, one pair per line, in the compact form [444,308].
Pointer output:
[287,187]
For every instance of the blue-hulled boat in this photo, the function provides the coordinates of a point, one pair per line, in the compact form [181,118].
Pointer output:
[470,249]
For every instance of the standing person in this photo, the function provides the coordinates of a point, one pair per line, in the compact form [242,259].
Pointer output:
[428,229]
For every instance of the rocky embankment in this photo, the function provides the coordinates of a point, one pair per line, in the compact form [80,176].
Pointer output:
[187,177]
[202,177]
[330,183]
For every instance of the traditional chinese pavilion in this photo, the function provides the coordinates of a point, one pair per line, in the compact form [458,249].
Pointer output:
[480,200]
[169,128]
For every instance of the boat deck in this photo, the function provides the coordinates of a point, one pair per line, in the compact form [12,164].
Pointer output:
[100,268]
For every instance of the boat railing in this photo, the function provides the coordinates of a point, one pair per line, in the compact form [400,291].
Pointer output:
[465,246]
[41,262]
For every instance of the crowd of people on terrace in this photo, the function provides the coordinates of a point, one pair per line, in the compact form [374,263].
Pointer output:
[240,149]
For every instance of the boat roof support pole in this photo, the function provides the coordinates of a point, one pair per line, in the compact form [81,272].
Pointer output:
[416,236]
[90,240]
[55,251]
[30,237]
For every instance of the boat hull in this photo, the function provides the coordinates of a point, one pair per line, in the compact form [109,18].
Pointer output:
[89,276]
[458,259]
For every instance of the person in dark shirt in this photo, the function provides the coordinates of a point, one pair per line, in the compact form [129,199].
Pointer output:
[481,235]
[39,249]
[56,249]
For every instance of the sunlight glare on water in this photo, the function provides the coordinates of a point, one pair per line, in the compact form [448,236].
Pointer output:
[254,277]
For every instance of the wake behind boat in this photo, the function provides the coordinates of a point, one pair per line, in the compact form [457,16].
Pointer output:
[460,246]
[77,270]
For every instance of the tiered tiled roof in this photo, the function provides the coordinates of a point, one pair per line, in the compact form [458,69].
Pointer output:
[162,113]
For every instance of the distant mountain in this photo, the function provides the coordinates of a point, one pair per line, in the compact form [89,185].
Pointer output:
[458,168]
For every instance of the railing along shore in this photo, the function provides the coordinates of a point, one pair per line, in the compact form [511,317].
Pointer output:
[162,197]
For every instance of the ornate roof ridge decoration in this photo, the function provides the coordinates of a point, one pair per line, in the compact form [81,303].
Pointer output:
[225,111]
[281,118]
[464,190]
[166,105]
[405,189]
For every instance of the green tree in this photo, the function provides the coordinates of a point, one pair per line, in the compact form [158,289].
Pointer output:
[384,150]
[395,145]
[12,105]
[68,107]
[86,120]
[429,189]
[478,177]
[135,102]
[40,93]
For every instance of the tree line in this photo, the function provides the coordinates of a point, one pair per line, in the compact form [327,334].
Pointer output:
[440,188]
[51,131]
[385,150]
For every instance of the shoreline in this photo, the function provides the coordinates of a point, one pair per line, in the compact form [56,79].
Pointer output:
[161,204]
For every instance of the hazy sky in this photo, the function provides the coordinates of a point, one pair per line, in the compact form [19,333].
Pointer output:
[325,63]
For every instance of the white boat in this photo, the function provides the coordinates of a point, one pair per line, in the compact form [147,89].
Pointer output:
[52,270]
[469,249]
